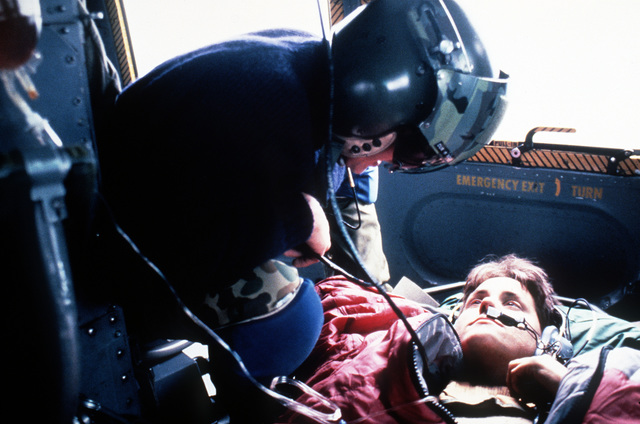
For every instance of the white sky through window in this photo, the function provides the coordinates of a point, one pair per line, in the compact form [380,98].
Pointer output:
[572,63]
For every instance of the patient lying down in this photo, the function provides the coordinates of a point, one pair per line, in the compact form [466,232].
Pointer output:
[482,368]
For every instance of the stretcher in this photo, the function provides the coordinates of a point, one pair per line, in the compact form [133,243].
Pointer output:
[81,356]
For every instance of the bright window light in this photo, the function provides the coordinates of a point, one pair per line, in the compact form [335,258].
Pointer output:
[572,63]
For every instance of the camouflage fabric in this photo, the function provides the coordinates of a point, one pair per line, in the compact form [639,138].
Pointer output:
[267,289]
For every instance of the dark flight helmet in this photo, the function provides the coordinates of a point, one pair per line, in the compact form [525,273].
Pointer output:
[418,69]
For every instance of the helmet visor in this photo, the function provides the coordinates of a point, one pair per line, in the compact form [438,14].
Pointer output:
[467,113]
[412,151]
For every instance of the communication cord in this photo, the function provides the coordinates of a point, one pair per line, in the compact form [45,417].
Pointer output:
[333,417]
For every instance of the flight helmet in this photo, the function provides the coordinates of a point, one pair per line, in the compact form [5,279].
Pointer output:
[415,74]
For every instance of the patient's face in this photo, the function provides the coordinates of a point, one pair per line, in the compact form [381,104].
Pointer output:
[487,344]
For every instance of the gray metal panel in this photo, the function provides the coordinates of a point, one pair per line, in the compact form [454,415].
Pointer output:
[61,81]
[583,228]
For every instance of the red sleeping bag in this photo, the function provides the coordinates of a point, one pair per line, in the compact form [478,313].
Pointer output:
[363,359]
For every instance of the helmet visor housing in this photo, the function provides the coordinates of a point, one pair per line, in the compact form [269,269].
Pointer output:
[458,105]
[380,78]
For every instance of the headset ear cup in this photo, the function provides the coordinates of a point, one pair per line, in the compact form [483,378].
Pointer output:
[455,312]
[557,319]
[552,342]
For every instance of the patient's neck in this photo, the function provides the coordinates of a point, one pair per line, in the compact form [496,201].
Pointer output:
[469,391]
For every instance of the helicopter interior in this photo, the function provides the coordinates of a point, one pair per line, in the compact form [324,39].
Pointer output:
[82,355]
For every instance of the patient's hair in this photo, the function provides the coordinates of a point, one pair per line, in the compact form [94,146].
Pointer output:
[533,278]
